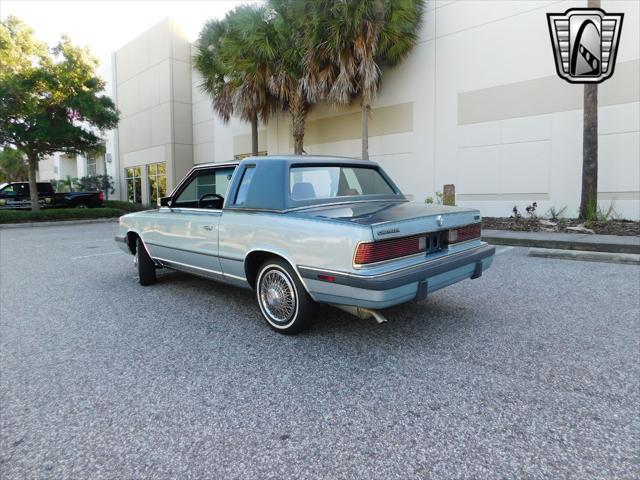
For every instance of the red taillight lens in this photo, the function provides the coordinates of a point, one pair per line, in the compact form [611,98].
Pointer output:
[101,196]
[388,249]
[462,234]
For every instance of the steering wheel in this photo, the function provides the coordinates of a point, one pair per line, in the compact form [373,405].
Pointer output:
[212,195]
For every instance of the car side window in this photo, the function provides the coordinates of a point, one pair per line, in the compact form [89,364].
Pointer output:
[9,191]
[206,189]
[245,183]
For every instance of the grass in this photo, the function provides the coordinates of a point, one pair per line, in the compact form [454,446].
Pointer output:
[56,214]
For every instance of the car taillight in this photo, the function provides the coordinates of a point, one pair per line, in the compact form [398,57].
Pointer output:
[101,196]
[388,249]
[462,234]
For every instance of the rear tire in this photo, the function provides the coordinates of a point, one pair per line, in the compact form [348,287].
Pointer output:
[284,303]
[146,267]
[81,205]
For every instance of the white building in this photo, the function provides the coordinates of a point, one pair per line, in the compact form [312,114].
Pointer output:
[61,165]
[478,104]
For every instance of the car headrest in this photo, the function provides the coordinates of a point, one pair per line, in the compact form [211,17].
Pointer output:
[303,191]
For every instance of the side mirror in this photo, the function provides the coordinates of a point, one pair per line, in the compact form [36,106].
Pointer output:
[165,202]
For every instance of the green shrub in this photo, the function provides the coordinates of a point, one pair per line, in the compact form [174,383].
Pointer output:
[55,214]
[125,206]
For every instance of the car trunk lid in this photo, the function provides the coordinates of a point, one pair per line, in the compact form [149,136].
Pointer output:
[397,219]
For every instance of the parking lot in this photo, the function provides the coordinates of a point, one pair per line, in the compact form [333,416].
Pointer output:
[529,372]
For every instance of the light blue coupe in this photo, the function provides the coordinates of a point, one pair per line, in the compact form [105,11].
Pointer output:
[302,229]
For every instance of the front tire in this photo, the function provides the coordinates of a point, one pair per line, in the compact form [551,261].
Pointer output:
[283,300]
[146,267]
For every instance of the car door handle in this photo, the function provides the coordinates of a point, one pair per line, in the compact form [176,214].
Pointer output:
[208,227]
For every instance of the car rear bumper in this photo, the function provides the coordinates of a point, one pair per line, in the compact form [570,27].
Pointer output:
[397,286]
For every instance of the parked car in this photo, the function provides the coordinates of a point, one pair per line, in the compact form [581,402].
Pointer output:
[299,230]
[15,195]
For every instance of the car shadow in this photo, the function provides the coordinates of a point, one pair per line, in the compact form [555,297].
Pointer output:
[431,321]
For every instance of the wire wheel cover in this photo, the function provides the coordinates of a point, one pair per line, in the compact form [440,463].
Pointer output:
[277,296]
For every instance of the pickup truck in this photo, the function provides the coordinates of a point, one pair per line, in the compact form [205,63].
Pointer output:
[15,195]
[305,229]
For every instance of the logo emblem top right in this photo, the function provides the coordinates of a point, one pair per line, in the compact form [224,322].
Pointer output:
[585,43]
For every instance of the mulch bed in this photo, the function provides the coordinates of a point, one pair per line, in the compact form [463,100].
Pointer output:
[611,227]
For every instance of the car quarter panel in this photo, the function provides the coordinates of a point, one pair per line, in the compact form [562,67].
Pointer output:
[301,241]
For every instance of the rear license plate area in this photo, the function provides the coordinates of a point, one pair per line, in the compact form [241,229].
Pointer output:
[430,243]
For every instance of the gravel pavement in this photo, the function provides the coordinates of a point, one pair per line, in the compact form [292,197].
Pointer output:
[531,371]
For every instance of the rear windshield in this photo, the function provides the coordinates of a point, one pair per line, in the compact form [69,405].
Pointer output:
[308,183]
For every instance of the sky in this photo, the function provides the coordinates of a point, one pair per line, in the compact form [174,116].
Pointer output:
[105,26]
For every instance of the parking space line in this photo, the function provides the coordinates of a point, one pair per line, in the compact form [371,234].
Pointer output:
[504,249]
[95,255]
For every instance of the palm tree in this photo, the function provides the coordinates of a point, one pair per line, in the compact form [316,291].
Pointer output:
[358,37]
[288,55]
[235,74]
[589,195]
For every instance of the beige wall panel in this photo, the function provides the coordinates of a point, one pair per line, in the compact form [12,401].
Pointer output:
[144,156]
[383,121]
[145,90]
[525,167]
[180,45]
[145,129]
[203,153]
[479,134]
[202,112]
[182,126]
[181,81]
[404,169]
[143,52]
[479,170]
[242,142]
[159,118]
[619,162]
[203,132]
[182,161]
[545,95]
[619,118]
[526,129]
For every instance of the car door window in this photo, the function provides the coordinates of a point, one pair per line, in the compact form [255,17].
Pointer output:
[206,189]
[8,191]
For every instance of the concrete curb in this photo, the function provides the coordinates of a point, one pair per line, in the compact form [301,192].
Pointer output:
[58,224]
[585,256]
[564,241]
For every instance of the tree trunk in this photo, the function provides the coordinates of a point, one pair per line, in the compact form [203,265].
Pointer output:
[298,108]
[254,135]
[366,110]
[33,185]
[589,198]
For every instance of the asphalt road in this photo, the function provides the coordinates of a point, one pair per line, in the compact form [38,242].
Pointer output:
[531,371]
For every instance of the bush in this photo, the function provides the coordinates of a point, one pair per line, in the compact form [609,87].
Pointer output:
[125,206]
[55,214]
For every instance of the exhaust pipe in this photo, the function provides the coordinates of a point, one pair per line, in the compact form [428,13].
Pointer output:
[363,313]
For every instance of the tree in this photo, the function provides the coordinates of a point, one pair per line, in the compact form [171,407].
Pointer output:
[13,167]
[235,73]
[288,57]
[589,195]
[358,37]
[50,99]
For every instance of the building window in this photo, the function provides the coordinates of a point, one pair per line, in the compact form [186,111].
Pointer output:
[133,178]
[157,174]
[92,166]
[240,156]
